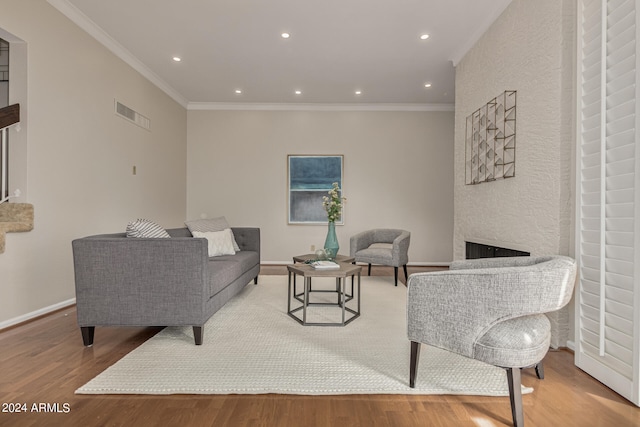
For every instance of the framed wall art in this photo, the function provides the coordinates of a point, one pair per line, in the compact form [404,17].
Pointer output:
[310,177]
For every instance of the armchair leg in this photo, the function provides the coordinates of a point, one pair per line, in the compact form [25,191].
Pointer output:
[406,276]
[413,368]
[197,334]
[255,280]
[515,395]
[87,335]
[395,274]
[369,270]
[540,371]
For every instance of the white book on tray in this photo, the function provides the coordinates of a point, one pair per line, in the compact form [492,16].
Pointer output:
[325,265]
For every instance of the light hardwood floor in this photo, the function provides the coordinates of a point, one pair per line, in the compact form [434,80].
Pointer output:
[44,362]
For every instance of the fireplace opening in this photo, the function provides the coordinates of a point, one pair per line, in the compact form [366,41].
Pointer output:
[478,250]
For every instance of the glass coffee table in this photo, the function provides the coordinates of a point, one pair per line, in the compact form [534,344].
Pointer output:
[306,271]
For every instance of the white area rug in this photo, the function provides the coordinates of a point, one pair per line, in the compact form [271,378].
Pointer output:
[252,346]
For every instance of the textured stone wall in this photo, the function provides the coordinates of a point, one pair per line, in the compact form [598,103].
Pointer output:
[528,49]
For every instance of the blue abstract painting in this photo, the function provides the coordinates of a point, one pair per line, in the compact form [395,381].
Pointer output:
[310,178]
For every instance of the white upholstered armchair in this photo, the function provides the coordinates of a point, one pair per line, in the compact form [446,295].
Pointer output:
[383,246]
[490,310]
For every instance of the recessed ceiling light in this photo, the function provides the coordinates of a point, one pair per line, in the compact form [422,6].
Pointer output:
[358,92]
[298,92]
[424,36]
[238,91]
[285,35]
[177,58]
[427,85]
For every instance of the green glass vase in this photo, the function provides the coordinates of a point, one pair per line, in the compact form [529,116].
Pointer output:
[331,245]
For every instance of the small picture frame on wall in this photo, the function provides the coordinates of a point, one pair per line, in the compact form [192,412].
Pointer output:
[310,177]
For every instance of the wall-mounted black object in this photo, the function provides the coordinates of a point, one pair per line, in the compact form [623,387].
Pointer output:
[479,250]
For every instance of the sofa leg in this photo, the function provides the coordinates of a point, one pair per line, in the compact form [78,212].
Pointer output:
[255,280]
[515,395]
[369,270]
[87,335]
[395,275]
[197,334]
[413,368]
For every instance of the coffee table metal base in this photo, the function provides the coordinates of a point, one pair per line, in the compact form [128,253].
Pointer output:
[343,297]
[300,296]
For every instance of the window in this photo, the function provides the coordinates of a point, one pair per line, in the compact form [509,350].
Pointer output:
[608,183]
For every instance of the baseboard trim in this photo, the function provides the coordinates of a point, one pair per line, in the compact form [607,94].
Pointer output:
[35,314]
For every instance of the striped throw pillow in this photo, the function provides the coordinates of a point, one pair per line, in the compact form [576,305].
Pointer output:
[146,228]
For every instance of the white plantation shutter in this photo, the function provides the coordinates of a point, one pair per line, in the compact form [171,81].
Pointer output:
[608,189]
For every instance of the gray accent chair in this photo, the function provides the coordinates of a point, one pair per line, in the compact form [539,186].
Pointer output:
[492,310]
[384,246]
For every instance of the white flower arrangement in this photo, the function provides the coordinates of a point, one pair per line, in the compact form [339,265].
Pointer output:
[333,203]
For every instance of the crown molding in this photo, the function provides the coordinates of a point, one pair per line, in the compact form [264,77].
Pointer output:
[237,106]
[7,36]
[83,21]
[500,7]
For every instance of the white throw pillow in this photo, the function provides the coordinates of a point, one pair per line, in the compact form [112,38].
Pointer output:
[219,242]
[212,224]
[145,228]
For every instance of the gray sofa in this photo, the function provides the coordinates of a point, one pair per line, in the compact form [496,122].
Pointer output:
[124,281]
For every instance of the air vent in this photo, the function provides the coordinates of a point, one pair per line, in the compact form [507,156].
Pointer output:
[132,116]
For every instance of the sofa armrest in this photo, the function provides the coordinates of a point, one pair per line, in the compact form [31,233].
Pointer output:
[140,281]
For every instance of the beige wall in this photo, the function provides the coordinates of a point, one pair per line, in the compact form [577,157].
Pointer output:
[80,155]
[397,174]
[528,49]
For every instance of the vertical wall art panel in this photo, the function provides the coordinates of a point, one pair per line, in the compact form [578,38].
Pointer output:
[310,178]
[490,140]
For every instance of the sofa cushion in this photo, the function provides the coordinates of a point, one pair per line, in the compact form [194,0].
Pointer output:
[179,232]
[211,224]
[221,274]
[219,242]
[146,228]
[246,259]
[225,269]
[377,253]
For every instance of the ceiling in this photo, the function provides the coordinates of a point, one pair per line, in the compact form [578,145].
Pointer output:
[335,48]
